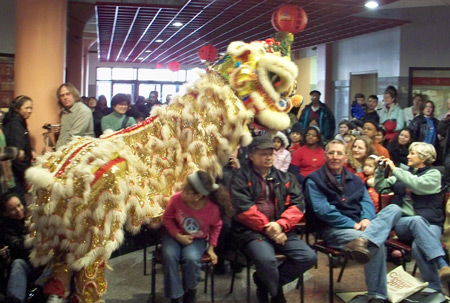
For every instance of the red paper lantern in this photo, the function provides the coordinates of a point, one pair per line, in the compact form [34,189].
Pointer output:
[207,52]
[159,65]
[174,66]
[289,18]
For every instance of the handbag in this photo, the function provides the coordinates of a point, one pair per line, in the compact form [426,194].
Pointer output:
[401,285]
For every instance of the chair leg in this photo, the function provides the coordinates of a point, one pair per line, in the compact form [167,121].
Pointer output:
[212,284]
[145,259]
[207,270]
[302,289]
[248,283]
[414,270]
[153,279]
[331,286]
[341,272]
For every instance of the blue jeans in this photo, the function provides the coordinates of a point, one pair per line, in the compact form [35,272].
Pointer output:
[300,258]
[377,233]
[189,258]
[18,277]
[426,245]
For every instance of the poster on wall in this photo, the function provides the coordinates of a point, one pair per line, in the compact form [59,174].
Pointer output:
[434,84]
[6,80]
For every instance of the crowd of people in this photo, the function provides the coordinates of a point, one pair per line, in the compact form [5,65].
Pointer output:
[264,192]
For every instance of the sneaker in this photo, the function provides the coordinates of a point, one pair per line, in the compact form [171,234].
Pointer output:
[262,293]
[54,299]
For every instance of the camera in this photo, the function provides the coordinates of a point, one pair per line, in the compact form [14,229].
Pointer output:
[47,126]
[354,132]
[381,164]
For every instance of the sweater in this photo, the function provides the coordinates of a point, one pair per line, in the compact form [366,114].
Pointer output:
[75,121]
[282,159]
[203,223]
[308,160]
[420,193]
[114,121]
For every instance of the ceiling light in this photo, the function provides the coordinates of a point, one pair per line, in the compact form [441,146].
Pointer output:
[177,24]
[159,40]
[371,4]
[148,51]
[141,58]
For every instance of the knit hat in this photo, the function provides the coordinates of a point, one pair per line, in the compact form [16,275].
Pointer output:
[282,137]
[296,128]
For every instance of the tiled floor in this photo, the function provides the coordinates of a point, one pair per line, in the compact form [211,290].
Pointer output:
[127,284]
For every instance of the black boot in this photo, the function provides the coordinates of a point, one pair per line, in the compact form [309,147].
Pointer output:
[279,298]
[190,296]
[177,300]
[262,293]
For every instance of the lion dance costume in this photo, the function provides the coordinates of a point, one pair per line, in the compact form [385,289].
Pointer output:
[86,192]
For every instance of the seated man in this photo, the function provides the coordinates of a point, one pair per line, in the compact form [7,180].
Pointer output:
[269,203]
[341,202]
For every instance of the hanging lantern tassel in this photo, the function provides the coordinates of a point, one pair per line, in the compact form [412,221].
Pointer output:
[174,66]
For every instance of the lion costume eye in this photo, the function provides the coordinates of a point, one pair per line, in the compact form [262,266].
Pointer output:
[284,104]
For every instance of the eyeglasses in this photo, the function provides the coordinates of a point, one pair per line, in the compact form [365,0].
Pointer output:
[335,153]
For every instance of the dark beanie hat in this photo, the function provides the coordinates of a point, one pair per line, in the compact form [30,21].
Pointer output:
[296,128]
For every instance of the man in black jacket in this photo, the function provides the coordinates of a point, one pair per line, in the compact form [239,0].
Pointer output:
[269,203]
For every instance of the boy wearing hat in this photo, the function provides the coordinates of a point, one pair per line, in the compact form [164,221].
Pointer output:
[269,203]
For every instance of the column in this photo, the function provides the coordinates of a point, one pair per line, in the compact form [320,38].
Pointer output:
[40,60]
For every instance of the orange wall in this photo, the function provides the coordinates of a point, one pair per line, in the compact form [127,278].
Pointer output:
[39,61]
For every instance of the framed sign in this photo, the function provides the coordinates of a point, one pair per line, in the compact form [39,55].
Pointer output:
[6,80]
[433,83]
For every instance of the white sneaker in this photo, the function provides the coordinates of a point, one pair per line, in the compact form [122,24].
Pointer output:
[55,299]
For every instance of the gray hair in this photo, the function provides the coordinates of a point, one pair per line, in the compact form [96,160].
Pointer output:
[335,141]
[425,151]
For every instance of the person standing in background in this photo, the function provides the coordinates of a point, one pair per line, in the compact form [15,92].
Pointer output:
[76,118]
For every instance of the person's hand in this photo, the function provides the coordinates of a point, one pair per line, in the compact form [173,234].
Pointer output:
[212,254]
[33,156]
[56,129]
[386,162]
[273,229]
[371,182]
[280,239]
[363,224]
[4,252]
[20,155]
[447,116]
[184,240]
[356,226]
[233,162]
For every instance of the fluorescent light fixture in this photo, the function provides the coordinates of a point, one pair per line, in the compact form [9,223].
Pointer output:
[177,24]
[371,4]
[141,58]
[159,40]
[148,51]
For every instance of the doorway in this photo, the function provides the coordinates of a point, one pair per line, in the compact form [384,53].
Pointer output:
[364,83]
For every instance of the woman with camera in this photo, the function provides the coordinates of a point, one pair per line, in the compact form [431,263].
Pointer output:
[419,196]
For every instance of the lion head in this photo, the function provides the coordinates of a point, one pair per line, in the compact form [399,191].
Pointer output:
[262,78]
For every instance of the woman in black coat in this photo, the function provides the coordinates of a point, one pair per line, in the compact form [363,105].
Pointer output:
[399,147]
[17,135]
